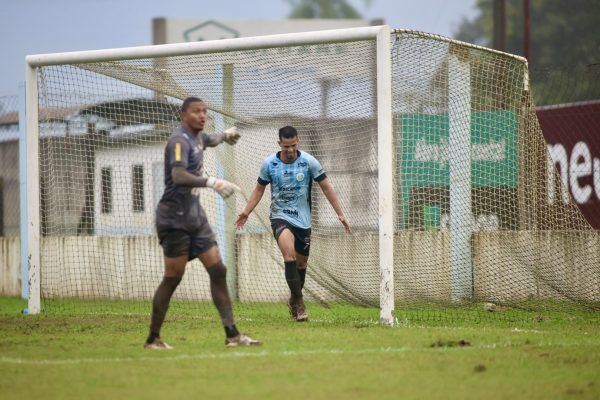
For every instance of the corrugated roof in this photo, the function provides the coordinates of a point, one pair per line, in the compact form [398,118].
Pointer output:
[9,118]
[48,114]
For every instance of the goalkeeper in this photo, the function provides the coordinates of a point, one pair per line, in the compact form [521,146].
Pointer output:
[181,222]
[290,173]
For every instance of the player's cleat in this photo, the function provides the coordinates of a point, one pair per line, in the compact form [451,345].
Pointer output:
[157,344]
[241,340]
[292,307]
[301,314]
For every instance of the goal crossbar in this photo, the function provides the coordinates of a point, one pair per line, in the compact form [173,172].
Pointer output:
[210,46]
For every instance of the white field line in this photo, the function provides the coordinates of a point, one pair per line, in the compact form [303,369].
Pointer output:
[254,354]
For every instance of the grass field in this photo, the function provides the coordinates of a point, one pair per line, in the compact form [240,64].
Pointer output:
[341,353]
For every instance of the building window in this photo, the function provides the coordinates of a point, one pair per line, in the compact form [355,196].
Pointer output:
[106,190]
[138,188]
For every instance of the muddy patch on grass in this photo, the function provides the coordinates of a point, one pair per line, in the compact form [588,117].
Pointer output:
[450,343]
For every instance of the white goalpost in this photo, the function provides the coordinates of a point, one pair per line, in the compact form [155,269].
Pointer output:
[380,36]
[33,190]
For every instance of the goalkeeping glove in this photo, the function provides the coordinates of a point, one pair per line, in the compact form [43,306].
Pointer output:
[231,135]
[223,187]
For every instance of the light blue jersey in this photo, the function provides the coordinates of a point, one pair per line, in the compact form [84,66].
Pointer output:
[290,186]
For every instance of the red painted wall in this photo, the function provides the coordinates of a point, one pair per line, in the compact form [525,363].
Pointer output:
[572,133]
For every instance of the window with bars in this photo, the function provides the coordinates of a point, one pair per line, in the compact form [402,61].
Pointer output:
[106,186]
[137,180]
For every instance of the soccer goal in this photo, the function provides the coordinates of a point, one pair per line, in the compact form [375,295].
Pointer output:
[431,145]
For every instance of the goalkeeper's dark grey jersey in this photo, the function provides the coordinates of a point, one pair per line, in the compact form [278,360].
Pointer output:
[179,207]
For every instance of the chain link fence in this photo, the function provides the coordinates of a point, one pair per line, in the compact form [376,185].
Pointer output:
[9,166]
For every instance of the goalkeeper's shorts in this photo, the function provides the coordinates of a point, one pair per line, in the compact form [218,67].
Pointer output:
[177,242]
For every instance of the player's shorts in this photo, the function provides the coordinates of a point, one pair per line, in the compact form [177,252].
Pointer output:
[301,236]
[178,239]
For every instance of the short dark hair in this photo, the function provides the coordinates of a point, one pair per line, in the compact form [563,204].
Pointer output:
[287,132]
[188,101]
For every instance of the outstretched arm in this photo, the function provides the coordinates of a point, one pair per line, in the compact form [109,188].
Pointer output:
[333,200]
[230,136]
[253,201]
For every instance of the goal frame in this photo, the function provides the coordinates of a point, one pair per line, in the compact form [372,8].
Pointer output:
[379,34]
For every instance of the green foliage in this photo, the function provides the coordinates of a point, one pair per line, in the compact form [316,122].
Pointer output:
[327,9]
[564,45]
[562,33]
[566,85]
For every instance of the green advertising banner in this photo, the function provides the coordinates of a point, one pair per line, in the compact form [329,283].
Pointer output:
[424,169]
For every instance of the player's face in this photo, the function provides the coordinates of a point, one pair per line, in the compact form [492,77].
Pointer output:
[289,148]
[195,116]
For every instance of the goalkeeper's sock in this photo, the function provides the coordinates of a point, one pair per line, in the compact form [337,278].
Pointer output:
[151,337]
[231,331]
[293,278]
[160,304]
[302,273]
[220,294]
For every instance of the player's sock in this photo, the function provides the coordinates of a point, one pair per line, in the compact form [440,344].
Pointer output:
[151,337]
[220,294]
[160,304]
[293,278]
[231,331]
[302,273]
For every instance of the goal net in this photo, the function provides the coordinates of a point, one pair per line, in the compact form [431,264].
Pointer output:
[474,213]
[482,215]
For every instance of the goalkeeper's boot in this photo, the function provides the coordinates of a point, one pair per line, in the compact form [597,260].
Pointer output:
[301,314]
[241,340]
[157,344]
[293,307]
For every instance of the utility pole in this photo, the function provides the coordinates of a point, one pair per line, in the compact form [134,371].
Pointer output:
[500,25]
[526,29]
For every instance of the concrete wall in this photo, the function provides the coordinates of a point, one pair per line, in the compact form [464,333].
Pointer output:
[422,266]
[508,266]
[115,267]
[131,268]
[9,185]
[546,265]
[10,266]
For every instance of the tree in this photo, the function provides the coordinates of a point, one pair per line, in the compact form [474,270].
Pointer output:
[563,33]
[328,9]
[565,36]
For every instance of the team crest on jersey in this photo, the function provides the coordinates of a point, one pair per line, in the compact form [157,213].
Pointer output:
[299,176]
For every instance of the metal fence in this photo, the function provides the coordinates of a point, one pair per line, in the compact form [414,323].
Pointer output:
[9,166]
